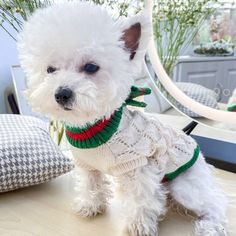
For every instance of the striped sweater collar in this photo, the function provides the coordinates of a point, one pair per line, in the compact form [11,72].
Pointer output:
[98,133]
[94,135]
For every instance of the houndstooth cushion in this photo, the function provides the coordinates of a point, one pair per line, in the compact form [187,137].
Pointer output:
[28,156]
[200,94]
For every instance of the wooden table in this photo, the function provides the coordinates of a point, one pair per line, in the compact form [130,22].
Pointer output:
[45,210]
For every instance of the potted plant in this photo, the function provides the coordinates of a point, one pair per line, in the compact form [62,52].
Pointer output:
[175,25]
[215,48]
[176,22]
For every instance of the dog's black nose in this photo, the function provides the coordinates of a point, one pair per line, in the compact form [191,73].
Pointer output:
[63,95]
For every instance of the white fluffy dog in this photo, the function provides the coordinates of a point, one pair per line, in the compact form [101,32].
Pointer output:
[80,64]
[232,99]
[231,106]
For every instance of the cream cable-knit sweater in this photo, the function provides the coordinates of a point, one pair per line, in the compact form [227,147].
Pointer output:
[140,139]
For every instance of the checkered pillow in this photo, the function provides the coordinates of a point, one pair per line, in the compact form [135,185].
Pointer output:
[28,156]
[198,93]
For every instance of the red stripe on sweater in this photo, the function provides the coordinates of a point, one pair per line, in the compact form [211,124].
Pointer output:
[142,91]
[91,132]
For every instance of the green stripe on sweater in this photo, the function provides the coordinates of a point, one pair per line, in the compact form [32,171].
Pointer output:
[184,167]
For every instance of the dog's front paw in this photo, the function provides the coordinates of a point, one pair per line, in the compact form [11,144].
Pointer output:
[140,229]
[208,228]
[89,209]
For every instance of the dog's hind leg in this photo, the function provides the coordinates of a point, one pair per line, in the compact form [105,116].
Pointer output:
[195,190]
[93,193]
[144,200]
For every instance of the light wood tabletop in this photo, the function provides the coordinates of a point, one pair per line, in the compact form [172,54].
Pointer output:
[45,210]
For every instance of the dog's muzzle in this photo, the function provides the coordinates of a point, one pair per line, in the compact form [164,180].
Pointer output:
[64,97]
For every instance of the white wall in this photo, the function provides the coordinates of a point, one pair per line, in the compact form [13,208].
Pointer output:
[8,57]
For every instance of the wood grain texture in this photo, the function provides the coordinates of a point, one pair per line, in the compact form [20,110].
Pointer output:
[45,210]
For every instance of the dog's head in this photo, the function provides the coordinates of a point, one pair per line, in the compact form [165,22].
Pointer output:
[79,61]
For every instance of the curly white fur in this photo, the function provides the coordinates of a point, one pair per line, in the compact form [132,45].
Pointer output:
[231,102]
[196,190]
[67,44]
[232,99]
[144,200]
[69,35]
[94,192]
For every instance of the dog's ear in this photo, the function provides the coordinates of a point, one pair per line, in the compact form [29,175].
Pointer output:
[131,37]
[136,34]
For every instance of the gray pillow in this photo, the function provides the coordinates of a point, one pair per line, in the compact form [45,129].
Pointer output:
[28,156]
[198,93]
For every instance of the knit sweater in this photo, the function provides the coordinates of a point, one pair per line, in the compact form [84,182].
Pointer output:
[140,140]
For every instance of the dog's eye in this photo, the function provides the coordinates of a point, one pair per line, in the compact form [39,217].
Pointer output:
[51,69]
[90,68]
